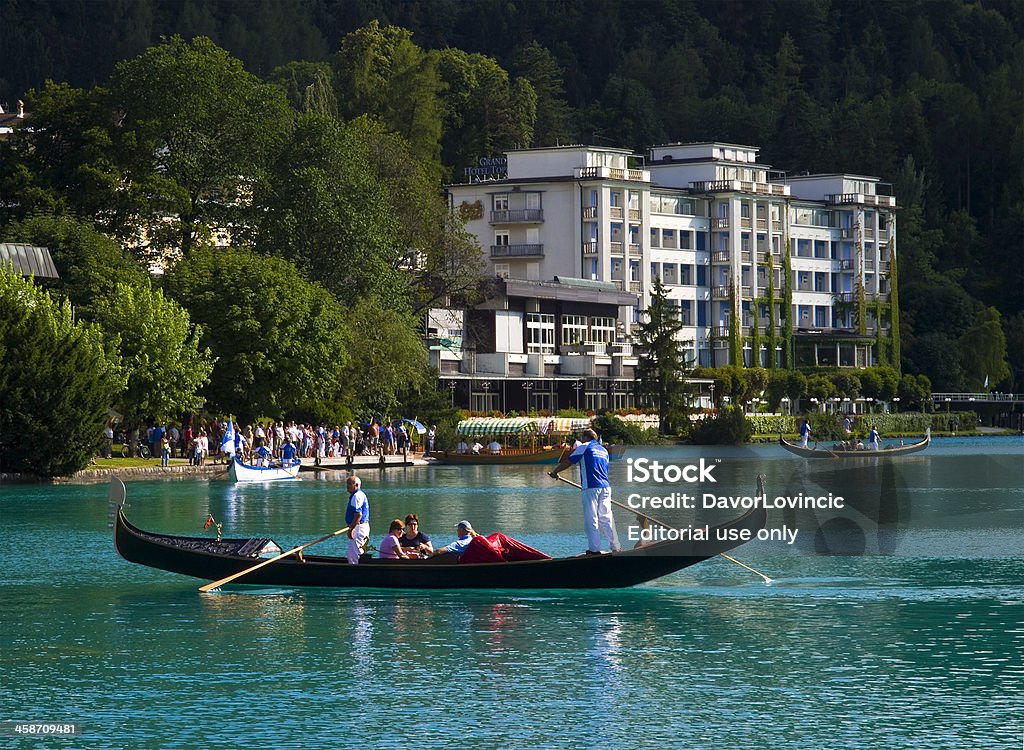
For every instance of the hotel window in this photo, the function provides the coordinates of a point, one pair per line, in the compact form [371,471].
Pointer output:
[574,329]
[669,276]
[602,330]
[686,275]
[668,239]
[685,240]
[685,312]
[616,269]
[745,210]
[540,333]
[501,202]
[655,237]
[501,238]
[821,282]
[723,210]
[502,270]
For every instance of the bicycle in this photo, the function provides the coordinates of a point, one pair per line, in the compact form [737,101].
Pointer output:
[126,450]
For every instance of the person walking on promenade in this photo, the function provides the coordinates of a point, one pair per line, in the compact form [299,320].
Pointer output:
[596,493]
[357,518]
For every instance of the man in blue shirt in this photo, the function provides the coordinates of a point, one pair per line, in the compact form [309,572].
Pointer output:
[873,439]
[592,459]
[357,518]
[805,433]
[465,533]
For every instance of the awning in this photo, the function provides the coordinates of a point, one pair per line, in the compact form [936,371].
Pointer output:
[562,425]
[487,426]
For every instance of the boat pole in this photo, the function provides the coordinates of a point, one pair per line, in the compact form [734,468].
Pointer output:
[294,550]
[667,526]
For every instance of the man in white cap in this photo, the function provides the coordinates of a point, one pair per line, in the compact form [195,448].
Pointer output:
[465,533]
[357,518]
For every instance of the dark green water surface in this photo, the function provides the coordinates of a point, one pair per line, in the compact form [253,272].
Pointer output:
[897,622]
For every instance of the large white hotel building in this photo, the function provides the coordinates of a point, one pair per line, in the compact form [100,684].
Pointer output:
[766,269]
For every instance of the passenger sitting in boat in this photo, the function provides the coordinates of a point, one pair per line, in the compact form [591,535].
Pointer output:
[390,548]
[476,447]
[494,447]
[414,541]
[462,447]
[465,533]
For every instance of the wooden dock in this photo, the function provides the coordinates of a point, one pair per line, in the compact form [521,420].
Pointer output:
[362,463]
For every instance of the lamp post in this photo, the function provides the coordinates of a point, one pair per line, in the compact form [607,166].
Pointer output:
[452,385]
[486,385]
[527,386]
[578,386]
[896,404]
[712,397]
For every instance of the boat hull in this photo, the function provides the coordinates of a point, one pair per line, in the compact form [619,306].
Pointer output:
[208,560]
[240,472]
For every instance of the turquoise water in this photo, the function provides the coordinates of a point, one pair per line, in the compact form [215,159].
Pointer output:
[915,641]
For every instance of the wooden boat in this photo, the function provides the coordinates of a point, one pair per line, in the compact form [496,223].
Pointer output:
[212,560]
[841,451]
[277,471]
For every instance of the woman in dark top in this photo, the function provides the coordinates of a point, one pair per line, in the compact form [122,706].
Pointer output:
[413,540]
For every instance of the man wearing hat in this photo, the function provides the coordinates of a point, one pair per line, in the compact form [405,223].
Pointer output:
[465,533]
[596,490]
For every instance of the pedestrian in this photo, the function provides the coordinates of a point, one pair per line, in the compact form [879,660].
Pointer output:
[873,439]
[357,518]
[431,437]
[596,492]
[805,433]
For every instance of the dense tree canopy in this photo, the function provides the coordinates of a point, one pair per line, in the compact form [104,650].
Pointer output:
[925,94]
[280,339]
[57,380]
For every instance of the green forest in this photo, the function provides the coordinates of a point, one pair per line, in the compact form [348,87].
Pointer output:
[313,137]
[925,94]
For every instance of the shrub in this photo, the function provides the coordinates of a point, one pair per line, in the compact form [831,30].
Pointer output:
[730,427]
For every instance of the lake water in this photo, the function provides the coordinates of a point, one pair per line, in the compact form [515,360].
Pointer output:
[894,622]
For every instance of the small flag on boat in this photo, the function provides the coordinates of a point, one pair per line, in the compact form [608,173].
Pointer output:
[209,522]
[227,445]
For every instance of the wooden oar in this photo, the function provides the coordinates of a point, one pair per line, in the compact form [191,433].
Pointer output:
[667,526]
[294,550]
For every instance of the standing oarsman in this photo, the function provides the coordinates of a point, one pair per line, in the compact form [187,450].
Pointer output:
[357,518]
[596,492]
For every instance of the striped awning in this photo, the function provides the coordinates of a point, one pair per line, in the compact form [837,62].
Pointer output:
[487,426]
[561,425]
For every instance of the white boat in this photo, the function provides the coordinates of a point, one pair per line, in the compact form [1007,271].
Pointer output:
[277,471]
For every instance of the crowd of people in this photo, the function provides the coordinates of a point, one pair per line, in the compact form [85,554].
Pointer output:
[272,440]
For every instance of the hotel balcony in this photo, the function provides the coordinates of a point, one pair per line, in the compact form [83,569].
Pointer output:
[869,264]
[636,249]
[590,248]
[739,186]
[720,256]
[611,173]
[590,212]
[634,287]
[518,216]
[634,215]
[720,223]
[517,251]
[720,292]
[846,264]
[845,297]
[720,332]
[842,199]
[615,212]
[616,248]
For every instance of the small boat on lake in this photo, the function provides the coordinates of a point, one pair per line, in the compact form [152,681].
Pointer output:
[850,451]
[215,559]
[274,472]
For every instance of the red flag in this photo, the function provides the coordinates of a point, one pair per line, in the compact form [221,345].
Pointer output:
[208,522]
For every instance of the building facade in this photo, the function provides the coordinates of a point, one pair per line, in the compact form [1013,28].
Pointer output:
[766,269]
